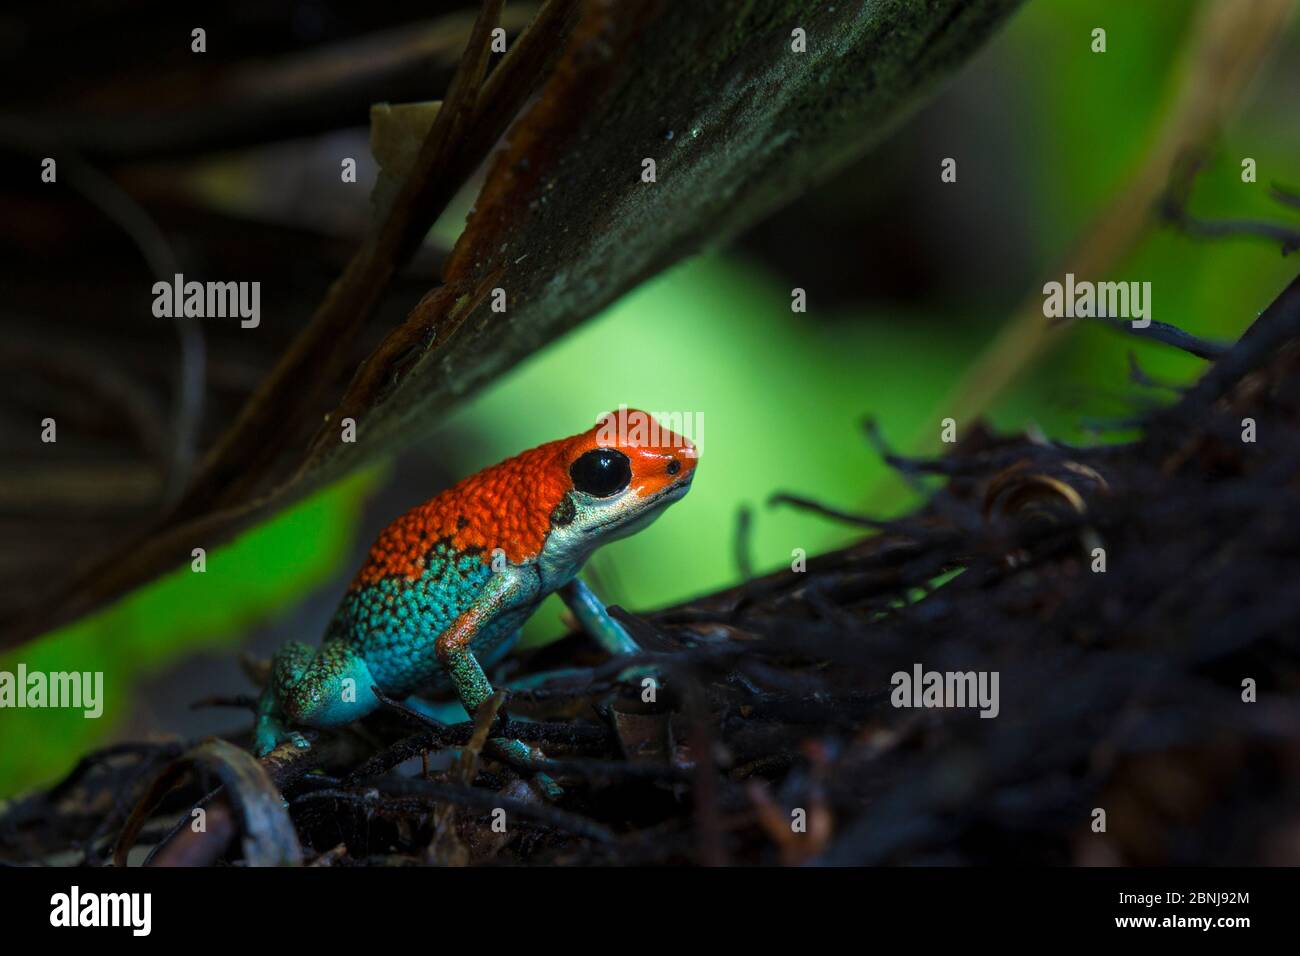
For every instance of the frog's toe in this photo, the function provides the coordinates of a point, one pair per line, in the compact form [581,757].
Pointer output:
[271,733]
[549,787]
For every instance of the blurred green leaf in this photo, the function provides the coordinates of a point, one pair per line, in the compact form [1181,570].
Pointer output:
[263,571]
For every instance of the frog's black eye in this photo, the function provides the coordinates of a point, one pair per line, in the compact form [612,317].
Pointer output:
[674,467]
[601,472]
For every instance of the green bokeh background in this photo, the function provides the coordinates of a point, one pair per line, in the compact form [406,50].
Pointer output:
[782,395]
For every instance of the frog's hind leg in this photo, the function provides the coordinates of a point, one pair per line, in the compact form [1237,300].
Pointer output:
[314,687]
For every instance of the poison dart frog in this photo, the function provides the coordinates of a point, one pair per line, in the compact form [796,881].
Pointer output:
[447,586]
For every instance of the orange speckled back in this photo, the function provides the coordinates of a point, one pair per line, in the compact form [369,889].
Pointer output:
[506,506]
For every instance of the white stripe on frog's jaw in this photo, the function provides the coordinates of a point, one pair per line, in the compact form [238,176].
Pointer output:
[597,522]
[644,511]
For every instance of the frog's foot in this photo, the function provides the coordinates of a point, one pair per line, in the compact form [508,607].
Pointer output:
[532,759]
[549,787]
[642,679]
[639,672]
[271,732]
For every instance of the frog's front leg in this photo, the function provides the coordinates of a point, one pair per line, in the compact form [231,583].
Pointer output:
[596,620]
[313,687]
[456,655]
